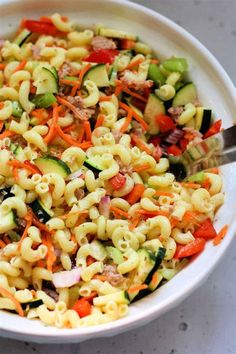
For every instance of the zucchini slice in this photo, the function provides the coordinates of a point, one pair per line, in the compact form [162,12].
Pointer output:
[98,74]
[159,258]
[47,81]
[22,37]
[115,254]
[42,213]
[155,74]
[7,221]
[17,109]
[44,101]
[32,304]
[203,119]
[186,94]
[51,164]
[114,33]
[95,163]
[154,107]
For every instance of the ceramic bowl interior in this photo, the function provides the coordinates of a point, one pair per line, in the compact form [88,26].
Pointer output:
[215,91]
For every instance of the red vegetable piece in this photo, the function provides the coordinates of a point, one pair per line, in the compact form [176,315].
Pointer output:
[206,230]
[42,27]
[165,123]
[118,181]
[82,307]
[155,140]
[174,150]
[157,153]
[183,144]
[103,56]
[190,249]
[214,129]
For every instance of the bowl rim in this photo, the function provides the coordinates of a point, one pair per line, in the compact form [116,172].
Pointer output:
[133,321]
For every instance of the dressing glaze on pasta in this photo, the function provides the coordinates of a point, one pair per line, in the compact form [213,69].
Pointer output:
[91,219]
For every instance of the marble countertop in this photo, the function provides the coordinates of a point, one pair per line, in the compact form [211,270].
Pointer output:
[206,321]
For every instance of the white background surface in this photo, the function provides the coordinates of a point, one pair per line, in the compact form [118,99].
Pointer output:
[206,321]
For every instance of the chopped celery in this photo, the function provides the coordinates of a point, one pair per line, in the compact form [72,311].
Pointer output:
[179,65]
[197,178]
[44,100]
[154,74]
[115,254]
[17,110]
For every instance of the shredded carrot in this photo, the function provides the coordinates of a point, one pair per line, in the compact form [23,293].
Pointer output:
[70,128]
[17,165]
[29,218]
[1,124]
[40,225]
[137,288]
[21,65]
[141,144]
[165,194]
[73,238]
[2,244]
[100,277]
[15,174]
[1,106]
[118,89]
[40,263]
[136,193]
[6,133]
[71,107]
[68,82]
[190,185]
[173,222]
[100,121]
[87,128]
[140,168]
[221,235]
[127,121]
[155,278]
[206,183]
[75,89]
[119,211]
[67,138]
[134,63]
[51,257]
[191,216]
[52,130]
[214,170]
[2,66]
[40,113]
[105,98]
[154,61]
[9,295]
[135,115]
[152,213]
[82,73]
[134,94]
[134,222]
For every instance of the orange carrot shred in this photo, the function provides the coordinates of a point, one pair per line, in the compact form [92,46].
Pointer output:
[100,277]
[21,65]
[17,304]
[140,168]
[70,128]
[29,219]
[6,133]
[119,211]
[190,185]
[100,121]
[135,115]
[134,63]
[88,132]
[52,130]
[134,94]
[165,194]
[82,73]
[136,193]
[127,121]
[141,144]
[2,66]
[105,98]
[221,235]
[136,288]
[2,244]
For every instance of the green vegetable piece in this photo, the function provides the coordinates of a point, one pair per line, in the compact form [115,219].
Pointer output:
[72,78]
[154,74]
[44,101]
[17,110]
[115,254]
[179,65]
[197,178]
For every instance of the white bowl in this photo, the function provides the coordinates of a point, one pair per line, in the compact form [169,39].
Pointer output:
[215,90]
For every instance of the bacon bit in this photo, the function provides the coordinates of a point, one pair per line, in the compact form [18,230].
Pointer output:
[21,65]
[137,288]
[140,168]
[221,235]
[17,304]
[100,121]
[119,212]
[141,144]
[2,244]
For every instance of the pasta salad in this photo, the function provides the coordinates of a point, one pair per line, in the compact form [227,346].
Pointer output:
[91,219]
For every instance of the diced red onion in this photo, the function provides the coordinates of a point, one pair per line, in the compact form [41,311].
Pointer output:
[174,136]
[74,175]
[104,206]
[66,278]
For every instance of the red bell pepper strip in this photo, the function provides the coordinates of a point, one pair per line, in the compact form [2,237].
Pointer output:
[183,144]
[174,150]
[82,307]
[42,27]
[104,56]
[206,230]
[214,129]
[118,181]
[155,140]
[127,44]
[190,249]
[165,123]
